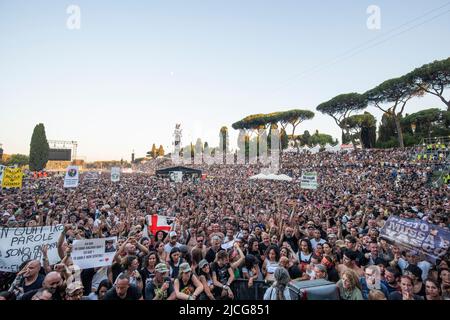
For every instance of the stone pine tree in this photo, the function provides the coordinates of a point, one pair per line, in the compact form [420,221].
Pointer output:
[39,148]
[161,151]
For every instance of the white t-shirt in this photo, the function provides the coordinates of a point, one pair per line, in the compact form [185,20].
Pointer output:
[168,247]
[314,242]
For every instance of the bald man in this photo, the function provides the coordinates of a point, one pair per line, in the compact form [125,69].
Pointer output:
[53,282]
[31,279]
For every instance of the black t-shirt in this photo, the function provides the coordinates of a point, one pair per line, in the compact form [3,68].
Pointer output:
[222,273]
[262,248]
[150,287]
[295,272]
[188,288]
[37,284]
[132,294]
[211,255]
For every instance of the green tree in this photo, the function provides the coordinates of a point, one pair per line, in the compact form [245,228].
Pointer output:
[387,129]
[396,92]
[433,78]
[320,139]
[284,139]
[429,123]
[341,107]
[39,148]
[18,159]
[363,126]
[305,138]
[296,117]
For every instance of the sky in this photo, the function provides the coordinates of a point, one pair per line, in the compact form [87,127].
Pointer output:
[136,68]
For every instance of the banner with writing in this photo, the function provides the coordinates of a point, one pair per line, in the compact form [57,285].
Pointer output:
[309,180]
[92,253]
[92,175]
[18,245]
[413,234]
[12,178]
[72,177]
[115,174]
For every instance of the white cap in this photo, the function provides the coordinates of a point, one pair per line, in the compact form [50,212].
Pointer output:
[172,234]
[6,214]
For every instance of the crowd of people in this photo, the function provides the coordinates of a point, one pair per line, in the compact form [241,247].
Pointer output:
[230,229]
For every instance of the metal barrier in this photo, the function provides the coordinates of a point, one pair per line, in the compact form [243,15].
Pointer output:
[241,290]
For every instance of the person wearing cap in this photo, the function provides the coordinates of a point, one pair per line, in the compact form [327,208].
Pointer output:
[160,287]
[205,277]
[187,286]
[173,237]
[74,291]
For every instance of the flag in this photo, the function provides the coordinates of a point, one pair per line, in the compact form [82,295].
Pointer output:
[155,223]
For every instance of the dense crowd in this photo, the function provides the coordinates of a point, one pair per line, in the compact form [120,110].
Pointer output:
[228,229]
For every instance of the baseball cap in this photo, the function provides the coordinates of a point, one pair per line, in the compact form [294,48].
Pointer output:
[215,238]
[202,263]
[172,234]
[74,286]
[161,268]
[332,235]
[185,267]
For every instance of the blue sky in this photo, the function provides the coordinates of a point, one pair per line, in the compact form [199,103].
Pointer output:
[135,68]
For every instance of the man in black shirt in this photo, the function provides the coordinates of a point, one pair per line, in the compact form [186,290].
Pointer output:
[216,247]
[161,286]
[122,290]
[52,282]
[290,238]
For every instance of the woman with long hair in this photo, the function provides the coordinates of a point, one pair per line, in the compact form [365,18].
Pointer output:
[148,266]
[204,274]
[162,255]
[305,253]
[432,290]
[279,289]
[271,262]
[175,260]
[253,249]
[444,280]
[349,286]
[102,288]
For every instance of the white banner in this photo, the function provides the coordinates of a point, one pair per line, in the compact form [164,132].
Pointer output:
[309,180]
[92,175]
[71,178]
[18,245]
[115,174]
[92,253]
[176,176]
